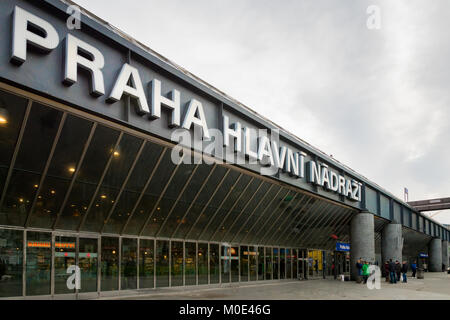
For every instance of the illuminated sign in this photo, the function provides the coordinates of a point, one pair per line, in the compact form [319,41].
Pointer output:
[48,244]
[340,246]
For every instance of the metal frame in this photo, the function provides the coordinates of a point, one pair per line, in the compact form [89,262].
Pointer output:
[243,209]
[47,165]
[334,223]
[218,208]
[267,208]
[16,151]
[100,182]
[309,237]
[75,174]
[177,200]
[124,183]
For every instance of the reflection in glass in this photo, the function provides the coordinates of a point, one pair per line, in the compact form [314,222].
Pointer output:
[9,131]
[94,163]
[162,263]
[253,252]
[234,264]
[282,263]
[128,270]
[226,263]
[11,262]
[214,263]
[176,263]
[112,182]
[110,264]
[261,260]
[190,264]
[288,264]
[88,263]
[62,167]
[65,250]
[269,264]
[39,257]
[244,263]
[33,154]
[146,263]
[275,263]
[202,257]
[294,263]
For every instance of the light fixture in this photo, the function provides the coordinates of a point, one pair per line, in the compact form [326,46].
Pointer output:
[116,154]
[52,191]
[3,114]
[103,196]
[72,169]
[36,185]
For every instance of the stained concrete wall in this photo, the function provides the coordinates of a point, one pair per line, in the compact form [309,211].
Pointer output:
[362,240]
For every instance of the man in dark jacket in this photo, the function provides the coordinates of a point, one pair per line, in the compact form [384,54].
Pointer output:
[392,271]
[386,270]
[398,269]
[404,270]
[359,268]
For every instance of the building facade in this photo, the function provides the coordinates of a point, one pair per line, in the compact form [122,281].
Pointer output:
[121,172]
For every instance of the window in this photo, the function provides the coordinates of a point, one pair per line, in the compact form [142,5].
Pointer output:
[39,257]
[202,257]
[146,263]
[110,264]
[11,262]
[176,252]
[128,270]
[190,264]
[214,263]
[162,263]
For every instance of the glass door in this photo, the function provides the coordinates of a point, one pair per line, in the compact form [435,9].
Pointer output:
[88,264]
[64,264]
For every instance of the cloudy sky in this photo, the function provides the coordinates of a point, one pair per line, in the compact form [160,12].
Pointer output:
[378,100]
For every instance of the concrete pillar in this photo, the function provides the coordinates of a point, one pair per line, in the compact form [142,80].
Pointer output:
[445,253]
[435,255]
[392,242]
[362,240]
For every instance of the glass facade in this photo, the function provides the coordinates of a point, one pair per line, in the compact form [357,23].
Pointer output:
[79,193]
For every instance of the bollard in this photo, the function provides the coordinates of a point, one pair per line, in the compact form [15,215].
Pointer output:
[419,273]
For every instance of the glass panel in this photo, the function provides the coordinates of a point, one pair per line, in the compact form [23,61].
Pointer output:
[258,203]
[39,257]
[11,262]
[269,264]
[128,271]
[146,263]
[202,199]
[226,265]
[253,252]
[65,249]
[36,144]
[110,264]
[176,263]
[282,263]
[243,202]
[261,260]
[288,264]
[151,194]
[244,263]
[214,261]
[190,264]
[204,218]
[62,167]
[397,212]
[275,262]
[183,204]
[94,163]
[162,263]
[133,189]
[226,206]
[234,264]
[12,111]
[294,263]
[385,207]
[371,200]
[88,263]
[202,263]
[123,157]
[165,205]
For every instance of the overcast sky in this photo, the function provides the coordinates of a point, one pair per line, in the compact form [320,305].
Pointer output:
[378,100]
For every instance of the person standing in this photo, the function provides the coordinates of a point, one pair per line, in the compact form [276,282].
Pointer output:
[386,270]
[404,270]
[365,271]
[392,276]
[359,267]
[414,269]
[398,269]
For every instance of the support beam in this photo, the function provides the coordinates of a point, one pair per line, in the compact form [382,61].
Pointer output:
[362,240]
[392,242]
[435,255]
[445,253]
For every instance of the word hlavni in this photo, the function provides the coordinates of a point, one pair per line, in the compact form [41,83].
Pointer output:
[79,54]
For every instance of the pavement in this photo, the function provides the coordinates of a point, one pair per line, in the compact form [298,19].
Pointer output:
[435,286]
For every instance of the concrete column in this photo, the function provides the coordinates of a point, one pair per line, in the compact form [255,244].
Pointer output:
[392,242]
[362,240]
[435,255]
[445,253]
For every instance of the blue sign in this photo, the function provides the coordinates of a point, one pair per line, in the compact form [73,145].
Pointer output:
[340,246]
[423,255]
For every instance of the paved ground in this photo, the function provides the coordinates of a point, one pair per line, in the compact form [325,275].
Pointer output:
[434,286]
